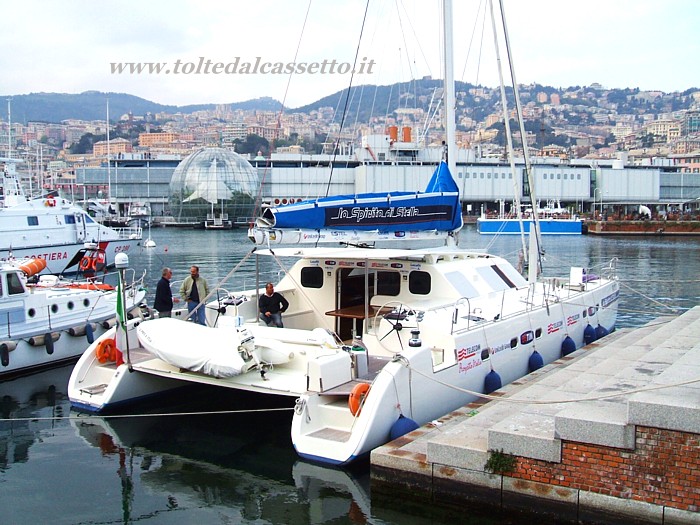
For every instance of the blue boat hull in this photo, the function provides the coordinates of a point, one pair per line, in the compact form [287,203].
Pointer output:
[512,226]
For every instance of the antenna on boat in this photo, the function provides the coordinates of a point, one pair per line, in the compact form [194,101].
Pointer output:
[9,127]
[109,176]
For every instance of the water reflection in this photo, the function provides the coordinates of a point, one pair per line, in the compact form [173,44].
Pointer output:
[241,467]
[206,461]
[40,395]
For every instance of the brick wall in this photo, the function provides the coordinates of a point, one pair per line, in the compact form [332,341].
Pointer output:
[664,469]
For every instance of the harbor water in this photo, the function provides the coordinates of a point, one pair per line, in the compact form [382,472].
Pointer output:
[206,456]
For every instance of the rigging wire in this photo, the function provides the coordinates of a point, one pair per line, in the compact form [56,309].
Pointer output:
[347,99]
[258,198]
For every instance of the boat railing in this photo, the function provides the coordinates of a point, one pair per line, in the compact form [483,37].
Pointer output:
[130,232]
[455,313]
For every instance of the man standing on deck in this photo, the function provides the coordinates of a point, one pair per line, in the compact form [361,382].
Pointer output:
[193,290]
[164,296]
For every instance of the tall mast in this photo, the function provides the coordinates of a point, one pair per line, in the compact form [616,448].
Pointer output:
[449,88]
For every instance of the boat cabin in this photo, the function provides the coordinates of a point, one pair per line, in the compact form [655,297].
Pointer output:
[343,290]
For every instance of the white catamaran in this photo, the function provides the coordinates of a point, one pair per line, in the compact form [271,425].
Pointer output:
[376,341]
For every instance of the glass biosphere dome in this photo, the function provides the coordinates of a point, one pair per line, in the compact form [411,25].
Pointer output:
[214,181]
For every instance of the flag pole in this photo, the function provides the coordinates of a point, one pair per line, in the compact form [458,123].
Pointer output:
[121,261]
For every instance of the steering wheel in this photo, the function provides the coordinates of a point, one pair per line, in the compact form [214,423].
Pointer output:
[390,320]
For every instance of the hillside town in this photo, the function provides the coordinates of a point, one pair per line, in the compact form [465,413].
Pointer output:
[581,126]
[582,122]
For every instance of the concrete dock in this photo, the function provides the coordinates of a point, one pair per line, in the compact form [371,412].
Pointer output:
[623,448]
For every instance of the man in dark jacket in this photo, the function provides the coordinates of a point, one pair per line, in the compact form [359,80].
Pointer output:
[271,305]
[164,295]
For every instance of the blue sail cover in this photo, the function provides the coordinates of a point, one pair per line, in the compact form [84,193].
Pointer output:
[437,208]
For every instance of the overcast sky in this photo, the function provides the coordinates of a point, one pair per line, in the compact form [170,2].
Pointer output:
[69,46]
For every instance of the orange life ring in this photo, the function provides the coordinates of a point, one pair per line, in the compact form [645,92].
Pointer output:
[88,263]
[106,350]
[357,396]
[51,202]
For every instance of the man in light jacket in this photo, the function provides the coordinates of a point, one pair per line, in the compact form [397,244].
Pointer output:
[193,290]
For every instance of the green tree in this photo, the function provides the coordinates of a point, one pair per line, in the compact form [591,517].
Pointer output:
[252,145]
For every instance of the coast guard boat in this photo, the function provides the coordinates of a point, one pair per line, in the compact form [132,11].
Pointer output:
[52,228]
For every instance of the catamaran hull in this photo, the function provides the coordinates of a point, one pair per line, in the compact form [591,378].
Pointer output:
[325,431]
[98,387]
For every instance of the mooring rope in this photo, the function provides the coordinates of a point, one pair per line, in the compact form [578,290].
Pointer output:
[88,417]
[554,401]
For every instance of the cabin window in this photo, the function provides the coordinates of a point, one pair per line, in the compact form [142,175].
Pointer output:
[14,285]
[32,220]
[388,283]
[526,337]
[514,342]
[88,219]
[419,283]
[54,308]
[312,277]
[70,219]
[485,354]
[499,278]
[31,312]
[538,333]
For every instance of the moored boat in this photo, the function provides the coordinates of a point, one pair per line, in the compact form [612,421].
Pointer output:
[553,220]
[52,320]
[53,228]
[376,341]
[437,325]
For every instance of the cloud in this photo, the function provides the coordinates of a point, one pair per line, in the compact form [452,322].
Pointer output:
[69,47]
